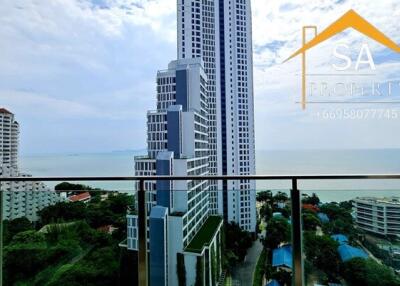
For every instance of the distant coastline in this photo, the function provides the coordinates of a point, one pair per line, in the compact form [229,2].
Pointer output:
[269,162]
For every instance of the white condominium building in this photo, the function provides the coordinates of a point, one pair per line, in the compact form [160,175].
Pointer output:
[378,215]
[20,199]
[220,32]
[25,199]
[9,131]
[198,29]
[183,235]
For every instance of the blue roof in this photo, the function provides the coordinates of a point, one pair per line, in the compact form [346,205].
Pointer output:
[342,239]
[277,214]
[323,217]
[348,252]
[273,283]
[282,256]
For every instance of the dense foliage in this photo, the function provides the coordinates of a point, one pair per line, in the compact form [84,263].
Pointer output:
[235,249]
[340,217]
[322,252]
[310,221]
[278,231]
[180,269]
[67,247]
[199,271]
[260,269]
[368,272]
[11,228]
[322,261]
[311,200]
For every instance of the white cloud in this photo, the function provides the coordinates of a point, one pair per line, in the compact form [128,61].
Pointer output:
[99,59]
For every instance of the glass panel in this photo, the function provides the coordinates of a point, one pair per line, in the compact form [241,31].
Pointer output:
[70,234]
[352,235]
[275,259]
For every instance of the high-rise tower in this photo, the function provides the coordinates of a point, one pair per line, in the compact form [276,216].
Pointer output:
[183,233]
[198,30]
[220,32]
[203,125]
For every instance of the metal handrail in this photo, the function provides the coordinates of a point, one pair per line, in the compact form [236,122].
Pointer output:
[211,177]
[295,195]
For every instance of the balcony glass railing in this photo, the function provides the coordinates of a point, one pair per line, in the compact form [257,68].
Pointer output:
[89,233]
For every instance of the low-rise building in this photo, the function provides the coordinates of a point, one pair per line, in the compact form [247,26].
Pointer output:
[24,198]
[282,258]
[83,197]
[378,215]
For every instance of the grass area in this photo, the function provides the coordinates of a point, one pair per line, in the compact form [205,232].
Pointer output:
[262,226]
[259,271]
[228,281]
[205,234]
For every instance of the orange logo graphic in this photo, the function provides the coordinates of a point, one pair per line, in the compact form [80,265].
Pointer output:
[349,20]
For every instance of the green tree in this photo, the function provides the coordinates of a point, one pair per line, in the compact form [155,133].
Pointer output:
[310,221]
[29,236]
[214,272]
[118,203]
[11,228]
[63,211]
[199,271]
[280,197]
[181,269]
[266,212]
[65,186]
[283,277]
[278,231]
[264,196]
[367,272]
[321,251]
[98,268]
[341,220]
[312,200]
[348,205]
[238,246]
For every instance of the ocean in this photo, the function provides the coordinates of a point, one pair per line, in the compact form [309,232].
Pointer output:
[279,162]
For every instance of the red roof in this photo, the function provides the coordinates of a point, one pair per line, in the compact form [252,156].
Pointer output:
[81,197]
[107,228]
[3,110]
[311,207]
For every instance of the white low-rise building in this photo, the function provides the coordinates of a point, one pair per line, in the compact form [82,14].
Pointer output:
[378,215]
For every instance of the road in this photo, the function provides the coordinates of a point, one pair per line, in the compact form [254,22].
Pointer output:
[243,273]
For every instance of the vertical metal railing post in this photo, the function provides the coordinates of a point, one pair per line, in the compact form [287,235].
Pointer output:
[142,223]
[225,199]
[1,234]
[298,268]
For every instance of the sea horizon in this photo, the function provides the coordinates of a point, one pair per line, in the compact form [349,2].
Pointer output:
[268,162]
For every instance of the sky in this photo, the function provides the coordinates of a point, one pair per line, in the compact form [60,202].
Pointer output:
[80,75]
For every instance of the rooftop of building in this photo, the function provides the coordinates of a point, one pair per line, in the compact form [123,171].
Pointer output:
[80,197]
[272,283]
[375,200]
[323,217]
[348,252]
[205,234]
[282,256]
[3,110]
[340,238]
